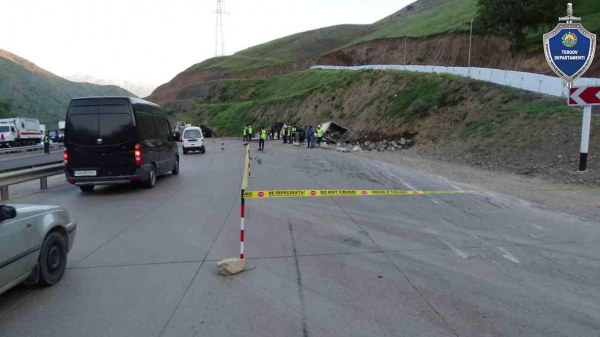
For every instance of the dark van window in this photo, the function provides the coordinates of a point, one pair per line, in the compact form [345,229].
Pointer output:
[116,125]
[162,128]
[4,129]
[82,129]
[145,126]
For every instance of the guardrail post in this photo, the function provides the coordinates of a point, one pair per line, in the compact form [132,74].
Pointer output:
[4,192]
[44,183]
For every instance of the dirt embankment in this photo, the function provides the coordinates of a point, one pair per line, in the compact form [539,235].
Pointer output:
[447,50]
[457,120]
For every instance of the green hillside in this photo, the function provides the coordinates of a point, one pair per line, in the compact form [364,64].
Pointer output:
[35,92]
[294,48]
[447,17]
[427,16]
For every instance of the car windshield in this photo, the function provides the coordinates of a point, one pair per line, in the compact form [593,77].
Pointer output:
[190,134]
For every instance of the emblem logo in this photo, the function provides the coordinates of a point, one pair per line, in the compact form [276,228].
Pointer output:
[569,39]
[569,48]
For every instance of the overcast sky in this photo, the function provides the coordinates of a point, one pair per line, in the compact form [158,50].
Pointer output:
[151,41]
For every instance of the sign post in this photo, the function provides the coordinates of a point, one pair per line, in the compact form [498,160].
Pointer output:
[586,97]
[569,50]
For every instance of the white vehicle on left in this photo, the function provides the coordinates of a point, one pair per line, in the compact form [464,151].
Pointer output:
[34,243]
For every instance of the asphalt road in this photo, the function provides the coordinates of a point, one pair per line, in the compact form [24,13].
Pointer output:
[10,162]
[144,261]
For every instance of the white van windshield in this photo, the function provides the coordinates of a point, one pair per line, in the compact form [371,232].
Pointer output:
[192,134]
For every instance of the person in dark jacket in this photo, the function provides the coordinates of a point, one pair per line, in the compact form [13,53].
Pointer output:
[310,137]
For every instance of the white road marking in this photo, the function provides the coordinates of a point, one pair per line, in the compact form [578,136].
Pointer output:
[507,255]
[431,231]
[456,250]
[537,227]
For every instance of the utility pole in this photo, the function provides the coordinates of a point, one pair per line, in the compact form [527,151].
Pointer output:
[470,40]
[405,49]
[219,29]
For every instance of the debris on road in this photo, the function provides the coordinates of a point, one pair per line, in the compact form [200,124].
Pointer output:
[231,266]
[335,133]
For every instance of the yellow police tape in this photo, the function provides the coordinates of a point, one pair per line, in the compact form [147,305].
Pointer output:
[339,193]
[245,177]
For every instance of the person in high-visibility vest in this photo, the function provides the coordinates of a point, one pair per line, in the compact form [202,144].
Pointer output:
[284,133]
[263,136]
[250,133]
[294,139]
[245,132]
[46,144]
[319,135]
[290,138]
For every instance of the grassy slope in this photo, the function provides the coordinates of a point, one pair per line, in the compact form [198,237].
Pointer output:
[451,16]
[45,96]
[426,17]
[294,48]
[399,99]
[423,19]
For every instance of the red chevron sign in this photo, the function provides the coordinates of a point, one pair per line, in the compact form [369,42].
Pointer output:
[584,96]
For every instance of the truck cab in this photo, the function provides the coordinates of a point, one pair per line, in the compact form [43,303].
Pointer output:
[8,135]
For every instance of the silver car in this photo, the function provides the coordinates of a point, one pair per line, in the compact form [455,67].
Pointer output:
[34,242]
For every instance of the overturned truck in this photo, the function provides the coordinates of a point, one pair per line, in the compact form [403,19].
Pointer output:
[334,133]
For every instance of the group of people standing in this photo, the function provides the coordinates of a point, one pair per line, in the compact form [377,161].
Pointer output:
[291,134]
[262,136]
[310,134]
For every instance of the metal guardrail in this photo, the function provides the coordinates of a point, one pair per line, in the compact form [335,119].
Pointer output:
[22,175]
[34,148]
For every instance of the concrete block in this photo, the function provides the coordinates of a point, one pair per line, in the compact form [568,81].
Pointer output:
[231,266]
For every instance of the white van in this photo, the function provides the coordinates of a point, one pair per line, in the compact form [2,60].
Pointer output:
[192,140]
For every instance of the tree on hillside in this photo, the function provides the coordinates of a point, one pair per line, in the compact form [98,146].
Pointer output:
[513,17]
[6,108]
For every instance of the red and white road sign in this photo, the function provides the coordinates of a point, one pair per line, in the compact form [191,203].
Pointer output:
[584,96]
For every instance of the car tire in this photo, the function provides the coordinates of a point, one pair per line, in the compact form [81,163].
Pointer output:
[185,151]
[175,169]
[87,188]
[151,182]
[203,150]
[53,259]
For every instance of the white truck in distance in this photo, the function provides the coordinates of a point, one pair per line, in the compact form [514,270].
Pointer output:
[61,129]
[19,131]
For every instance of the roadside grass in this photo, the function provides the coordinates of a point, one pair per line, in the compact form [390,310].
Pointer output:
[235,62]
[540,109]
[285,86]
[420,95]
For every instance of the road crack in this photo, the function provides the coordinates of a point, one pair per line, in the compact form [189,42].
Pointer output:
[299,282]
